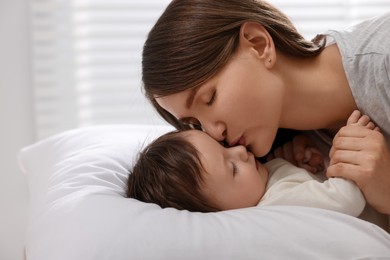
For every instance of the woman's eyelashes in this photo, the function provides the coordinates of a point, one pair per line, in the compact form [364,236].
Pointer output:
[212,99]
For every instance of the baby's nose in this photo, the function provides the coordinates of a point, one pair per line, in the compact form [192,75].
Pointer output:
[241,152]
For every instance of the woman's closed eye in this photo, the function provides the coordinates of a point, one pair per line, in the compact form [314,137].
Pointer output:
[212,99]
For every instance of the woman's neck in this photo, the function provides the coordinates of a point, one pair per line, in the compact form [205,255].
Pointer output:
[318,95]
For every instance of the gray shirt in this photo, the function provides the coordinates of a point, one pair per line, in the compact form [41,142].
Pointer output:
[365,51]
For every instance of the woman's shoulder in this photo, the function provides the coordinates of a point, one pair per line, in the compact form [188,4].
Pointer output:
[370,35]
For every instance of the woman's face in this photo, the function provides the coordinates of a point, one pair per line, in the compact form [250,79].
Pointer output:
[241,105]
[232,177]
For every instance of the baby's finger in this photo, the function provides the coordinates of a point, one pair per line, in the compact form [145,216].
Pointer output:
[316,161]
[300,143]
[288,152]
[354,117]
[371,125]
[308,168]
[278,153]
[364,120]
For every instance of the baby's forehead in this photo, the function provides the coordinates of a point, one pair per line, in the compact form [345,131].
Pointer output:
[193,135]
[198,139]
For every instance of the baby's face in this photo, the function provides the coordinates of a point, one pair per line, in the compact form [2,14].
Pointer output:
[233,177]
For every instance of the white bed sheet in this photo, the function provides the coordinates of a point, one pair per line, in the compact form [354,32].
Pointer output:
[77,181]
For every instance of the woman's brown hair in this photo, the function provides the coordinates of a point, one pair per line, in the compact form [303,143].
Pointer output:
[193,40]
[168,173]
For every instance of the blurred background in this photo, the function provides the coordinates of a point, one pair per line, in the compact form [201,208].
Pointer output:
[71,63]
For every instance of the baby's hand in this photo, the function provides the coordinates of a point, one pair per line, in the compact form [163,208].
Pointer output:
[301,152]
[356,118]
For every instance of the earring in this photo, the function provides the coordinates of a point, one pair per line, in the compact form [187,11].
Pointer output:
[269,60]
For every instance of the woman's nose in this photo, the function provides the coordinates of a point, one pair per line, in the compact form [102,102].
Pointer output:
[216,130]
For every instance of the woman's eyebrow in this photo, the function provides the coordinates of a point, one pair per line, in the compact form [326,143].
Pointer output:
[191,97]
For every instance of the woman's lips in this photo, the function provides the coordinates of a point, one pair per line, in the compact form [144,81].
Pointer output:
[242,141]
[238,141]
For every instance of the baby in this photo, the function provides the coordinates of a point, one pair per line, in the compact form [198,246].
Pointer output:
[190,170]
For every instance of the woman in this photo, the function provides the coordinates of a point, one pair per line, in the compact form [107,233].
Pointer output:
[240,71]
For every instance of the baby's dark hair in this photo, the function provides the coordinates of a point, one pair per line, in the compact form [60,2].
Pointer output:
[168,172]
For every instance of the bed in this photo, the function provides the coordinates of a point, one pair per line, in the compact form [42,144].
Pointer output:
[77,182]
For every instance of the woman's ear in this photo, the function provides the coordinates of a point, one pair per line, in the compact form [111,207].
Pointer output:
[254,37]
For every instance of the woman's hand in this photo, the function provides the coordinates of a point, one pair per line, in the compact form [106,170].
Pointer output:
[302,152]
[360,153]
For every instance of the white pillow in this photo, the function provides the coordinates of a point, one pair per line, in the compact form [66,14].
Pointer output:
[77,181]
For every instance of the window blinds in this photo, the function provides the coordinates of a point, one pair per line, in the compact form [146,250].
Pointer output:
[86,62]
[87,55]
